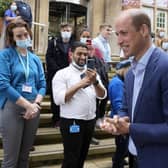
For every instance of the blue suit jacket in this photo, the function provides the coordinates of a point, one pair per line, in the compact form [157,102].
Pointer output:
[149,129]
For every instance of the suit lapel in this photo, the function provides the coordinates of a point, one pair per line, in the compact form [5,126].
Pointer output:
[148,76]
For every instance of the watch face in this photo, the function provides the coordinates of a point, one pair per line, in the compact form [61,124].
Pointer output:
[96,83]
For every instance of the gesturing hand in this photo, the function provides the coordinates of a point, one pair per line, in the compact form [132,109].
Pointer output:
[116,125]
[108,125]
[123,125]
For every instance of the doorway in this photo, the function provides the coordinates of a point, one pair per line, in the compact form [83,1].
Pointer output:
[60,12]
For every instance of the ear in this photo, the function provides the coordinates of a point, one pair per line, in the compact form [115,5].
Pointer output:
[144,30]
[70,55]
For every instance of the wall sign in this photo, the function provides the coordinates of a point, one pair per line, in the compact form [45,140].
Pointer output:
[70,1]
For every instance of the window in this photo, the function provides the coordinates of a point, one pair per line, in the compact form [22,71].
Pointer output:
[161,20]
[149,2]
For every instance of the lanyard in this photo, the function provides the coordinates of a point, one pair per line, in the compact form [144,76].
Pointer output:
[26,68]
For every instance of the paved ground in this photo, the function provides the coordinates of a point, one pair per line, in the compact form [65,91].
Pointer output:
[99,163]
[96,163]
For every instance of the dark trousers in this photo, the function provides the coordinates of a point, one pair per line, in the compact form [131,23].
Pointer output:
[121,151]
[76,145]
[133,163]
[101,107]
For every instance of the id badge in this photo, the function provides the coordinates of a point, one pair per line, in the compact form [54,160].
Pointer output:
[74,129]
[26,88]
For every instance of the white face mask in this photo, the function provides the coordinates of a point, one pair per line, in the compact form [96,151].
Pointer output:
[66,35]
[162,34]
[165,45]
[80,67]
[13,7]
[83,40]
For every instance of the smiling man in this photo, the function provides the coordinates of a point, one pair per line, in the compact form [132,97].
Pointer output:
[75,89]
[144,113]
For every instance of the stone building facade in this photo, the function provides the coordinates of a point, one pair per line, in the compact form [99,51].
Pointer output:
[47,15]
[97,12]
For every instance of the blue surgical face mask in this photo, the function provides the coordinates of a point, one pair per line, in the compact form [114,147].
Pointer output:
[13,7]
[83,40]
[23,43]
[30,41]
[66,35]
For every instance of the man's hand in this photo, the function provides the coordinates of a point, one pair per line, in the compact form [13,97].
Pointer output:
[116,125]
[90,78]
[91,74]
[123,125]
[85,82]
[108,125]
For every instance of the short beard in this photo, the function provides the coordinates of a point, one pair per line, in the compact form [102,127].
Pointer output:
[80,67]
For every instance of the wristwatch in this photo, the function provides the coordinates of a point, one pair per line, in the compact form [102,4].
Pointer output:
[96,83]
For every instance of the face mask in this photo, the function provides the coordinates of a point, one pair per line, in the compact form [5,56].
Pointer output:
[30,41]
[13,7]
[165,45]
[23,43]
[66,35]
[83,40]
[80,67]
[161,34]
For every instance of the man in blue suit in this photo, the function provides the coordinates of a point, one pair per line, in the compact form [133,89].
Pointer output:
[144,114]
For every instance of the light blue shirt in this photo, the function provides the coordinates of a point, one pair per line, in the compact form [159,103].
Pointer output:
[103,45]
[138,71]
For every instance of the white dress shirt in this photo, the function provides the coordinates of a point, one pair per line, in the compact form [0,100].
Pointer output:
[83,103]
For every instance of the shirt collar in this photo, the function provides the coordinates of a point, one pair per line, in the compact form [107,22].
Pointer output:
[142,63]
[77,68]
[102,38]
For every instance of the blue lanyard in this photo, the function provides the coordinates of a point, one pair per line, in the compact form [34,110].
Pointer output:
[26,68]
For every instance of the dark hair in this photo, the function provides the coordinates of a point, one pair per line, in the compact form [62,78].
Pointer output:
[10,3]
[9,31]
[77,44]
[84,30]
[64,24]
[139,18]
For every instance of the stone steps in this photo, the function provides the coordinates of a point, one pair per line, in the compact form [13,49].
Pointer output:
[52,135]
[97,162]
[48,143]
[53,153]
